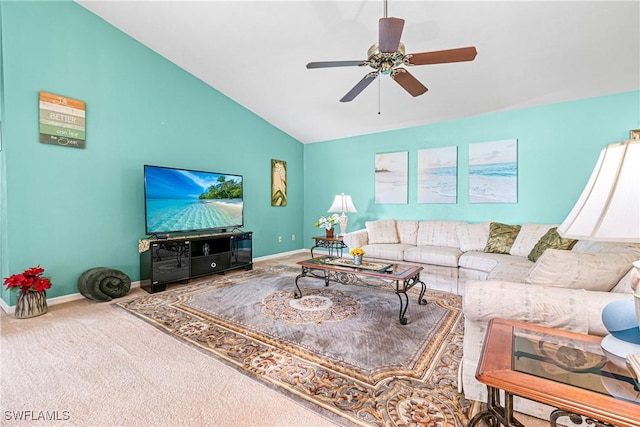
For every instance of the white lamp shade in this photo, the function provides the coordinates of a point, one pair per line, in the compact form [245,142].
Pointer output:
[342,203]
[609,207]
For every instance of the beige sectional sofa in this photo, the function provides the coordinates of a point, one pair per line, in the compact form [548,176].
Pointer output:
[563,288]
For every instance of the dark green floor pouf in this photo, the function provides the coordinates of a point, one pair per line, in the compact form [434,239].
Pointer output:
[103,284]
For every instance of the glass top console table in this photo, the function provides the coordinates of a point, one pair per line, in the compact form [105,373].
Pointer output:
[334,245]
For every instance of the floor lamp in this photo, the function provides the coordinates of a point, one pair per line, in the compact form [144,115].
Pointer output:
[609,210]
[342,203]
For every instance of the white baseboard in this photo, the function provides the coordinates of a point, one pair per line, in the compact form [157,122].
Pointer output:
[278,255]
[9,309]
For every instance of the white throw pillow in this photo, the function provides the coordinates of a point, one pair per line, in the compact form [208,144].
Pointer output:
[382,231]
[528,236]
[473,237]
[580,270]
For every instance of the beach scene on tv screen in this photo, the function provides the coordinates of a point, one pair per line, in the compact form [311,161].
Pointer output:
[183,200]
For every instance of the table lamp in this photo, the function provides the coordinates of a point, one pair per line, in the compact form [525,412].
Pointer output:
[609,210]
[342,203]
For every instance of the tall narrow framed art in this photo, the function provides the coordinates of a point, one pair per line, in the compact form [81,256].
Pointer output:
[493,172]
[391,170]
[438,175]
[278,182]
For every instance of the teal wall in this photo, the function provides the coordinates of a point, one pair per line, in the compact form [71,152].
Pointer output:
[72,209]
[558,146]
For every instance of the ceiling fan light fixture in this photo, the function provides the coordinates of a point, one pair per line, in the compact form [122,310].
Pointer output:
[386,67]
[388,59]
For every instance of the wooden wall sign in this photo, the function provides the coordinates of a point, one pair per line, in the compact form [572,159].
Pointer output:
[62,120]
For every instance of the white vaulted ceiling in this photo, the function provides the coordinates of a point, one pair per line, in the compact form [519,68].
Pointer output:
[529,53]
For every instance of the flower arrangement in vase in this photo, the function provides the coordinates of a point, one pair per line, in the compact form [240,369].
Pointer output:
[31,288]
[327,223]
[357,254]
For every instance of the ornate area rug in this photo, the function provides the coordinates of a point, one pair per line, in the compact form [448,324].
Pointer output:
[340,350]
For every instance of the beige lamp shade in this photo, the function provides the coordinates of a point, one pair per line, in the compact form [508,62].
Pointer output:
[609,207]
[342,203]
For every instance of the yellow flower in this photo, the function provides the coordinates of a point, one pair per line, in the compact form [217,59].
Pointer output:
[356,251]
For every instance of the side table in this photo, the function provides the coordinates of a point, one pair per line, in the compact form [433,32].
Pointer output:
[335,245]
[563,369]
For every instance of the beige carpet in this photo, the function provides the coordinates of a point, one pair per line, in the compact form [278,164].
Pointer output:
[92,364]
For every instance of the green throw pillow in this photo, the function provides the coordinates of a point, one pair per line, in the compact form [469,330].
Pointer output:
[551,240]
[501,237]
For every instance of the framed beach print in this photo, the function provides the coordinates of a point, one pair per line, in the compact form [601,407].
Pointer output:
[493,172]
[438,175]
[391,170]
[278,183]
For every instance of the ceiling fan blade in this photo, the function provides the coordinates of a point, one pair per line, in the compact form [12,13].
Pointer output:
[362,84]
[444,56]
[408,82]
[389,34]
[328,64]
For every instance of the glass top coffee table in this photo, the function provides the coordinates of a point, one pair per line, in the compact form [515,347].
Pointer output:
[342,270]
[566,370]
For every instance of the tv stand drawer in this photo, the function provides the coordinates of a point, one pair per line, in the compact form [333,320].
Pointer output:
[210,264]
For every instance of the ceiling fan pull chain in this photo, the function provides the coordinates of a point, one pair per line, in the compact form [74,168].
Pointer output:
[379,84]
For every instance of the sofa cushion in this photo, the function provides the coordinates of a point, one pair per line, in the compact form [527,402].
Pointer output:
[356,239]
[407,231]
[473,237]
[382,231]
[551,240]
[511,269]
[438,233]
[390,251]
[580,270]
[435,255]
[494,266]
[501,237]
[528,236]
[592,246]
[628,283]
[480,261]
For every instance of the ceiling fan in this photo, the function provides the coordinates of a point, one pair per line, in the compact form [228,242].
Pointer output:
[388,56]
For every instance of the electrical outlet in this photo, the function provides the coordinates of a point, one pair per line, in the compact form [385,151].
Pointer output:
[279,239]
[293,237]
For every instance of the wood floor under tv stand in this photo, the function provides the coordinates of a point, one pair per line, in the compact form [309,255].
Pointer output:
[179,259]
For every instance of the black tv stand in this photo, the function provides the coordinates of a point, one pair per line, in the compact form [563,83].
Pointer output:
[178,259]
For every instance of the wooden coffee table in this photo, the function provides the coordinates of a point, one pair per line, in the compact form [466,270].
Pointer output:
[563,369]
[402,276]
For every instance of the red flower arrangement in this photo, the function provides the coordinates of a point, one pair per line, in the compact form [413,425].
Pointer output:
[28,281]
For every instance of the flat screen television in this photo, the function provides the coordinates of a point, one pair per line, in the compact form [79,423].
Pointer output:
[182,200]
